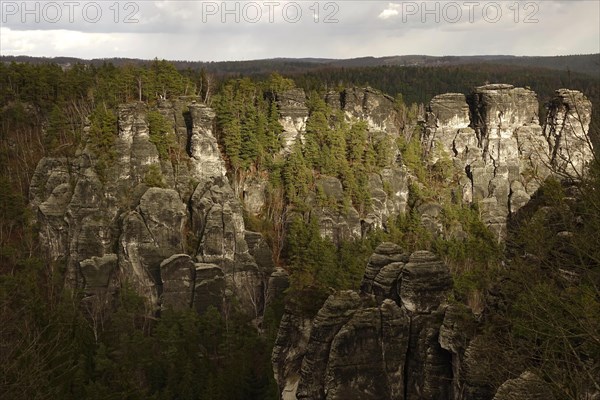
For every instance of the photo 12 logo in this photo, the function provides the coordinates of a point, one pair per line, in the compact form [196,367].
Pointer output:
[270,11]
[466,11]
[129,12]
[54,12]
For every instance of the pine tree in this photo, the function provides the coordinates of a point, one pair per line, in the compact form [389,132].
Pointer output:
[58,128]
[383,152]
[229,125]
[274,130]
[317,129]
[161,134]
[356,142]
[297,176]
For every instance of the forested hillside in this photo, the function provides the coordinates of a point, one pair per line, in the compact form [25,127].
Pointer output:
[581,63]
[359,173]
[53,344]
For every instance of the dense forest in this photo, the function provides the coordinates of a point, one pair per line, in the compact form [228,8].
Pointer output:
[51,345]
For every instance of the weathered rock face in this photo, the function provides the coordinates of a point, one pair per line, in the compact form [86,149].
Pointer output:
[388,188]
[255,195]
[218,217]
[383,271]
[149,235]
[457,330]
[358,349]
[181,245]
[567,125]
[425,283]
[293,116]
[495,137]
[209,287]
[334,223]
[448,115]
[527,386]
[372,106]
[366,359]
[395,339]
[289,350]
[178,274]
[389,197]
[369,345]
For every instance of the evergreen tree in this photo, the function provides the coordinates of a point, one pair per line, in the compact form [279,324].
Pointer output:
[161,134]
[274,130]
[229,125]
[58,128]
[102,137]
[297,176]
[356,142]
[249,149]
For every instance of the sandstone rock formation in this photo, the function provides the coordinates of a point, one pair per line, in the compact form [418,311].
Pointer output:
[289,350]
[388,188]
[370,345]
[396,339]
[179,245]
[372,106]
[181,242]
[566,129]
[293,116]
[527,386]
[495,137]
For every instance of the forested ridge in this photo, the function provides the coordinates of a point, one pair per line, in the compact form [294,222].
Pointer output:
[580,63]
[52,347]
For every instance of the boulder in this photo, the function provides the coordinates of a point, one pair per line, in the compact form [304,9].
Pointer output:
[425,283]
[527,386]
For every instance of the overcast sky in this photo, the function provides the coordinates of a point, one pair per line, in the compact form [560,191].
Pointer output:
[243,30]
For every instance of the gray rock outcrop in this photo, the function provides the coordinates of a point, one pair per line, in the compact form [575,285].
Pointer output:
[289,350]
[293,114]
[494,136]
[369,345]
[388,188]
[181,244]
[527,386]
[178,274]
[372,106]
[566,129]
[389,197]
[424,283]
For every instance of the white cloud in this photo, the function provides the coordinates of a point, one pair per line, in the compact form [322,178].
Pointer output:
[390,11]
[56,42]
